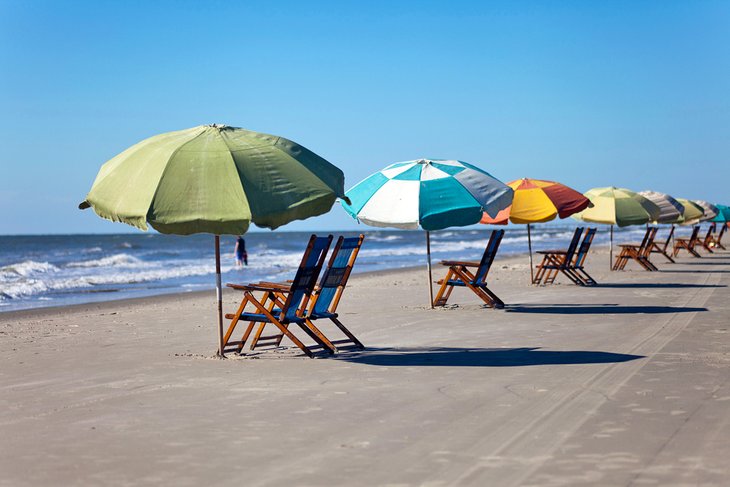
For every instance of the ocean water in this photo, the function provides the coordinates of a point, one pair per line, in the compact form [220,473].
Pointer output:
[53,270]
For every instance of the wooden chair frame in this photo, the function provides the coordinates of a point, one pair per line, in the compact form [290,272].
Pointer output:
[655,248]
[459,274]
[639,253]
[271,308]
[555,262]
[687,244]
[327,294]
[577,267]
[718,239]
[709,239]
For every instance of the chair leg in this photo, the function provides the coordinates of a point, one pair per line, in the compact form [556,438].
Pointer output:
[540,271]
[314,332]
[498,303]
[467,278]
[572,277]
[263,310]
[234,322]
[442,296]
[347,332]
[586,277]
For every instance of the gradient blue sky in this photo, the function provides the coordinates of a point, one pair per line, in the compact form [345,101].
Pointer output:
[631,94]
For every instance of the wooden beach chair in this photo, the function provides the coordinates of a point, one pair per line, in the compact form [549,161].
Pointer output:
[558,261]
[270,308]
[327,294]
[657,248]
[718,239]
[687,244]
[709,239]
[576,268]
[460,274]
[639,253]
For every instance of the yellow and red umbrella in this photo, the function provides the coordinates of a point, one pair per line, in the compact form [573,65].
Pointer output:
[537,201]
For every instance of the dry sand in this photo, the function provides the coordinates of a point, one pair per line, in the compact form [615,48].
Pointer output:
[623,384]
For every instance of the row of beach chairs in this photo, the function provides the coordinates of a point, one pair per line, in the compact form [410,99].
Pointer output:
[315,294]
[640,253]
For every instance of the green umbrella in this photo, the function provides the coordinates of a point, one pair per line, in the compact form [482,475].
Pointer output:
[618,206]
[692,212]
[214,179]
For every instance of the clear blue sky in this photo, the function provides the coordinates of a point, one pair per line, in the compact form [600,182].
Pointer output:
[632,94]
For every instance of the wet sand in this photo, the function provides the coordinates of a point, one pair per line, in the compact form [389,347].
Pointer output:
[626,383]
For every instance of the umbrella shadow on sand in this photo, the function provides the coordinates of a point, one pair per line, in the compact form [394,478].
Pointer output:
[578,309]
[481,357]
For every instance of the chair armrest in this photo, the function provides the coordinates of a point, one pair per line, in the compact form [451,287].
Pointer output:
[253,287]
[465,263]
[279,285]
[560,252]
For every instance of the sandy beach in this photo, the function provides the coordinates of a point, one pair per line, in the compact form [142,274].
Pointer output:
[626,383]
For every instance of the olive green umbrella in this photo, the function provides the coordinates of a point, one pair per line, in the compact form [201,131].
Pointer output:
[618,206]
[214,179]
[692,212]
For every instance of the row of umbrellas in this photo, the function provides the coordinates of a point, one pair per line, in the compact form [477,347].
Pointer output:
[218,179]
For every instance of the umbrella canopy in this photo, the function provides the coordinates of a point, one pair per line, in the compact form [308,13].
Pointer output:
[710,210]
[723,215]
[537,201]
[692,212]
[214,179]
[670,210]
[618,206]
[431,194]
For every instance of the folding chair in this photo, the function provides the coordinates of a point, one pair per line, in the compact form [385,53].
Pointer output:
[687,244]
[459,274]
[709,240]
[328,293]
[662,249]
[557,261]
[291,310]
[718,239]
[639,253]
[576,268]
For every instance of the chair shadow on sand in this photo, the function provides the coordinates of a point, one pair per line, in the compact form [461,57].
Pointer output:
[587,309]
[659,285]
[481,357]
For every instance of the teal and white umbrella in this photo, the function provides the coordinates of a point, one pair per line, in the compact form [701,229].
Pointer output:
[431,194]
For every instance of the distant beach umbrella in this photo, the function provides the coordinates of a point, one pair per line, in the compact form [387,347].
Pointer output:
[723,215]
[692,212]
[710,210]
[431,194]
[214,179]
[618,206]
[670,210]
[537,201]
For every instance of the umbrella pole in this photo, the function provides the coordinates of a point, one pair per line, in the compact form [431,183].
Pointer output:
[430,275]
[610,251]
[218,295]
[529,246]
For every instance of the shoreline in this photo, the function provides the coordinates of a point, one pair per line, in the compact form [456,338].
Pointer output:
[597,249]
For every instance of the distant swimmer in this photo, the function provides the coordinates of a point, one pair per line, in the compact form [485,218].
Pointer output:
[240,251]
